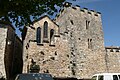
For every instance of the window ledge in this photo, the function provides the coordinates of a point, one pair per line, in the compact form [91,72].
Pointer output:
[56,35]
[52,45]
[40,44]
[46,41]
[32,40]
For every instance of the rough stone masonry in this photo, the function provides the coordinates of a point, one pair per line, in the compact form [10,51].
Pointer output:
[72,45]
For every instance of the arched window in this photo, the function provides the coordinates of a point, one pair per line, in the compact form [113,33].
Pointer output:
[51,36]
[45,32]
[90,43]
[38,35]
[51,33]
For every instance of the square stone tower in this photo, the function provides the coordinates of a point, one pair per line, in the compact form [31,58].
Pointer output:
[83,29]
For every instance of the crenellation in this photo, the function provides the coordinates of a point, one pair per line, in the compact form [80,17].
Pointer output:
[92,10]
[85,8]
[112,49]
[73,7]
[61,10]
[96,14]
[85,11]
[77,6]
[82,10]
[89,12]
[92,13]
[57,15]
[99,12]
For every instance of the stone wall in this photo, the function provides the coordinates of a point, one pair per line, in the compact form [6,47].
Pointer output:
[3,36]
[9,50]
[10,45]
[113,59]
[83,29]
[52,58]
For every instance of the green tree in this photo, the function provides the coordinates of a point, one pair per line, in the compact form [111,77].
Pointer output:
[22,12]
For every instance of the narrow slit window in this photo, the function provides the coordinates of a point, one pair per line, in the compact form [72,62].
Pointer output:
[87,24]
[38,35]
[45,34]
[90,43]
[72,22]
[51,36]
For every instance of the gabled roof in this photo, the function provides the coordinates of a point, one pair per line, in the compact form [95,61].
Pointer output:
[25,28]
[44,17]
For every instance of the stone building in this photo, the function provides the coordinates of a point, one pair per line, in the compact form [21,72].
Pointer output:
[10,52]
[72,45]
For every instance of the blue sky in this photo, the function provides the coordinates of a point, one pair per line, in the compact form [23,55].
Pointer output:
[110,10]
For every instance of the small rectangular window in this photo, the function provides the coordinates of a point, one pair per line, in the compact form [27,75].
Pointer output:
[38,35]
[87,24]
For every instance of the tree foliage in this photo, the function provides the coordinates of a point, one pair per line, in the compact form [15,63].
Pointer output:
[22,12]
